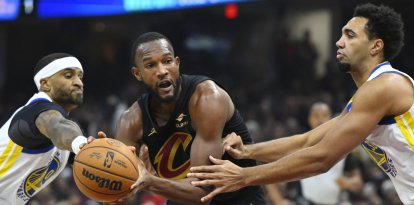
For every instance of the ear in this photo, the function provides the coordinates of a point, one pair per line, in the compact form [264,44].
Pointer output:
[177,61]
[136,73]
[45,85]
[377,47]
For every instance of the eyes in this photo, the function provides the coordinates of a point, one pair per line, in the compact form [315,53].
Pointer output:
[72,74]
[165,61]
[349,33]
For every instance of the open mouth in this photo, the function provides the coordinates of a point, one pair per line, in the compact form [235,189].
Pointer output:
[164,84]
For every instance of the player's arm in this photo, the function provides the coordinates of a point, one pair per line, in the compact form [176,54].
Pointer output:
[210,108]
[129,127]
[275,149]
[58,129]
[348,131]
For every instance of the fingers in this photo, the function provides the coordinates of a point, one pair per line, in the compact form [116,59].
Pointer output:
[90,139]
[236,153]
[143,151]
[132,148]
[102,134]
[211,195]
[215,160]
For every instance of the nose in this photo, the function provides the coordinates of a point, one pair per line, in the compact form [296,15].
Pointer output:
[162,70]
[78,82]
[339,43]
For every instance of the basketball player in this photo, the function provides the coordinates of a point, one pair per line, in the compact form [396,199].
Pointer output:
[35,143]
[182,120]
[379,117]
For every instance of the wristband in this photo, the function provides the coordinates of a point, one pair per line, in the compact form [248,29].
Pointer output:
[78,141]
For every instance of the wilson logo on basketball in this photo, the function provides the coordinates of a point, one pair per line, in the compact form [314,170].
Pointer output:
[103,182]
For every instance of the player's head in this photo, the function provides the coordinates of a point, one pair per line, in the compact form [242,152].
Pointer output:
[60,76]
[156,66]
[319,114]
[373,32]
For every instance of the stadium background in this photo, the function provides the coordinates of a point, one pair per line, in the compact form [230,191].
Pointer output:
[275,58]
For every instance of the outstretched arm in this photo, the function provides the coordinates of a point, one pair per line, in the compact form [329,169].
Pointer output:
[275,149]
[58,129]
[345,134]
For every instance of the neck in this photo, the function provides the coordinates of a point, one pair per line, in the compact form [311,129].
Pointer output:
[160,111]
[360,74]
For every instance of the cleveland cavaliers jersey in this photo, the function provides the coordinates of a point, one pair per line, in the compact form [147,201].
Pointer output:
[27,166]
[169,145]
[391,144]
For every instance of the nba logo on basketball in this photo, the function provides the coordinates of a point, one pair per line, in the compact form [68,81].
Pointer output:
[108,160]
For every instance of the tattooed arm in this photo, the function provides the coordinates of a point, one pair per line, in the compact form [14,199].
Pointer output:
[58,129]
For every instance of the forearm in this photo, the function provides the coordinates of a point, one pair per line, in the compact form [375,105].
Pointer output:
[298,165]
[180,191]
[63,133]
[275,149]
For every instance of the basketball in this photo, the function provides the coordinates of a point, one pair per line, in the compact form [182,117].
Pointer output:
[105,169]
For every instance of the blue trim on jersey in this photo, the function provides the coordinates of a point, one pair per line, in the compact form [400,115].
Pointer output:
[387,121]
[39,99]
[383,121]
[348,107]
[386,72]
[37,151]
[378,66]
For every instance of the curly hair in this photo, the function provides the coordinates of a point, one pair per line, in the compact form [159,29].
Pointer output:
[384,23]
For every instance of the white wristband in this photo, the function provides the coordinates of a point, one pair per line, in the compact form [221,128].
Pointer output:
[77,142]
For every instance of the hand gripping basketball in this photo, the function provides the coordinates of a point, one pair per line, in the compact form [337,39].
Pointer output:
[105,169]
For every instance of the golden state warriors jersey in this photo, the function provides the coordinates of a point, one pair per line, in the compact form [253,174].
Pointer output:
[25,171]
[391,144]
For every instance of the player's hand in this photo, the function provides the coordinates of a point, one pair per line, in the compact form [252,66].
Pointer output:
[223,175]
[101,134]
[233,145]
[144,156]
[142,182]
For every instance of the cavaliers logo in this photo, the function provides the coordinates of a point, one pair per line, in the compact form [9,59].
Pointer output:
[165,157]
[380,158]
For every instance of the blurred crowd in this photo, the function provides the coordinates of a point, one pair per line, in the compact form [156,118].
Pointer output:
[274,106]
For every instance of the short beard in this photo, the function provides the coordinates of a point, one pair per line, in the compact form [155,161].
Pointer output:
[344,67]
[171,99]
[67,99]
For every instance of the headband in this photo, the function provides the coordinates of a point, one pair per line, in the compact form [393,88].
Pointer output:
[56,66]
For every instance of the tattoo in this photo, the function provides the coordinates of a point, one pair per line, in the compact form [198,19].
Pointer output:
[58,129]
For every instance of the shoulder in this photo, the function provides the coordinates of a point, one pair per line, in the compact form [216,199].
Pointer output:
[209,88]
[44,105]
[129,126]
[209,98]
[132,114]
[390,90]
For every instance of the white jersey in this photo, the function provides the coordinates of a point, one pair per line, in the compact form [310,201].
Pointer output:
[323,189]
[391,144]
[24,172]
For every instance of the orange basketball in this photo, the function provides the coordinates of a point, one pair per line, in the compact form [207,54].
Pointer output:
[105,169]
